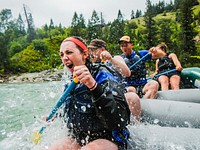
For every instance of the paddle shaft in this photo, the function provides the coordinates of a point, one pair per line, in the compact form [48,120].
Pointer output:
[61,100]
[131,67]
[163,73]
[166,72]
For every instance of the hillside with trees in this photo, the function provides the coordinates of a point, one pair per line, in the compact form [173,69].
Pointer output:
[36,49]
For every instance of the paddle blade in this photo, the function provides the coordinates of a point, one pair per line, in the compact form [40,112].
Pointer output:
[36,137]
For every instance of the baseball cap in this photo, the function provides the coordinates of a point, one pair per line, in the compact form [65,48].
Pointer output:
[97,43]
[125,39]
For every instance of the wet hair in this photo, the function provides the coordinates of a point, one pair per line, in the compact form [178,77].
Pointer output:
[97,43]
[163,47]
[79,42]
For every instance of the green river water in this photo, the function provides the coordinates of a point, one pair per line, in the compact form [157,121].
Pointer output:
[19,103]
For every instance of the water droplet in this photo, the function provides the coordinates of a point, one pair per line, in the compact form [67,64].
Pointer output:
[114,93]
[156,121]
[83,108]
[122,119]
[52,94]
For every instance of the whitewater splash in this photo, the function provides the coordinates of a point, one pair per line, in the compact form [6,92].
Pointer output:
[20,103]
[143,137]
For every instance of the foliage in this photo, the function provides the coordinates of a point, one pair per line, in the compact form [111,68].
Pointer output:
[116,29]
[54,46]
[187,32]
[28,60]
[41,46]
[150,31]
[95,25]
[36,49]
[15,47]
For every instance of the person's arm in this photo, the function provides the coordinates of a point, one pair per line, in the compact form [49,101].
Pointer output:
[145,53]
[118,63]
[176,61]
[157,70]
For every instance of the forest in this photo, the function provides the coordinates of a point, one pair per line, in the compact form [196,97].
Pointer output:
[35,49]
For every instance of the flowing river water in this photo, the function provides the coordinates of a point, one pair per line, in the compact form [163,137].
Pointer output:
[21,106]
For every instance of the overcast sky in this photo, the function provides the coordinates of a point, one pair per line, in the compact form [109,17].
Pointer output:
[62,11]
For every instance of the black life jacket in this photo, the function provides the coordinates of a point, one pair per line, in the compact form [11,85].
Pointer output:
[165,63]
[82,114]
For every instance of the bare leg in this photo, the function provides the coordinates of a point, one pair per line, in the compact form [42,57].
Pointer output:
[133,101]
[150,89]
[175,82]
[100,144]
[164,81]
[70,144]
[65,144]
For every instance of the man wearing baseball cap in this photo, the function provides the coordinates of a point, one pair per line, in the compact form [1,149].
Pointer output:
[97,52]
[137,79]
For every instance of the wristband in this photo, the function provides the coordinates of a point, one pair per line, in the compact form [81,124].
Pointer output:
[92,88]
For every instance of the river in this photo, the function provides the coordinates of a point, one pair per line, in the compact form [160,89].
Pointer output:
[22,105]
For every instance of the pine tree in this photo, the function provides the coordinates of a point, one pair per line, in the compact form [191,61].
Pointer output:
[78,25]
[117,28]
[31,27]
[164,32]
[5,18]
[94,26]
[132,14]
[51,25]
[21,25]
[150,37]
[187,33]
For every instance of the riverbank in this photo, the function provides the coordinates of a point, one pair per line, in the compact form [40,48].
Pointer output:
[46,75]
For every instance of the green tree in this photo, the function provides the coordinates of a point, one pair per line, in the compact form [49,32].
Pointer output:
[164,31]
[15,47]
[6,35]
[132,14]
[20,25]
[150,32]
[177,4]
[117,28]
[43,32]
[28,60]
[31,28]
[94,26]
[51,25]
[187,33]
[3,54]
[169,7]
[75,25]
[5,18]
[138,13]
[78,26]
[129,28]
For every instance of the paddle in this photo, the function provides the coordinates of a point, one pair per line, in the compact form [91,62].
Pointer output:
[37,134]
[163,73]
[138,61]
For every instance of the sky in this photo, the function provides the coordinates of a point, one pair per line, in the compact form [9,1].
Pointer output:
[62,11]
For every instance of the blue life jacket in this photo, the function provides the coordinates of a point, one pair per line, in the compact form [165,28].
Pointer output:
[138,73]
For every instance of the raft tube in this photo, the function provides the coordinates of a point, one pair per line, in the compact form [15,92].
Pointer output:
[190,77]
[184,95]
[152,137]
[170,113]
